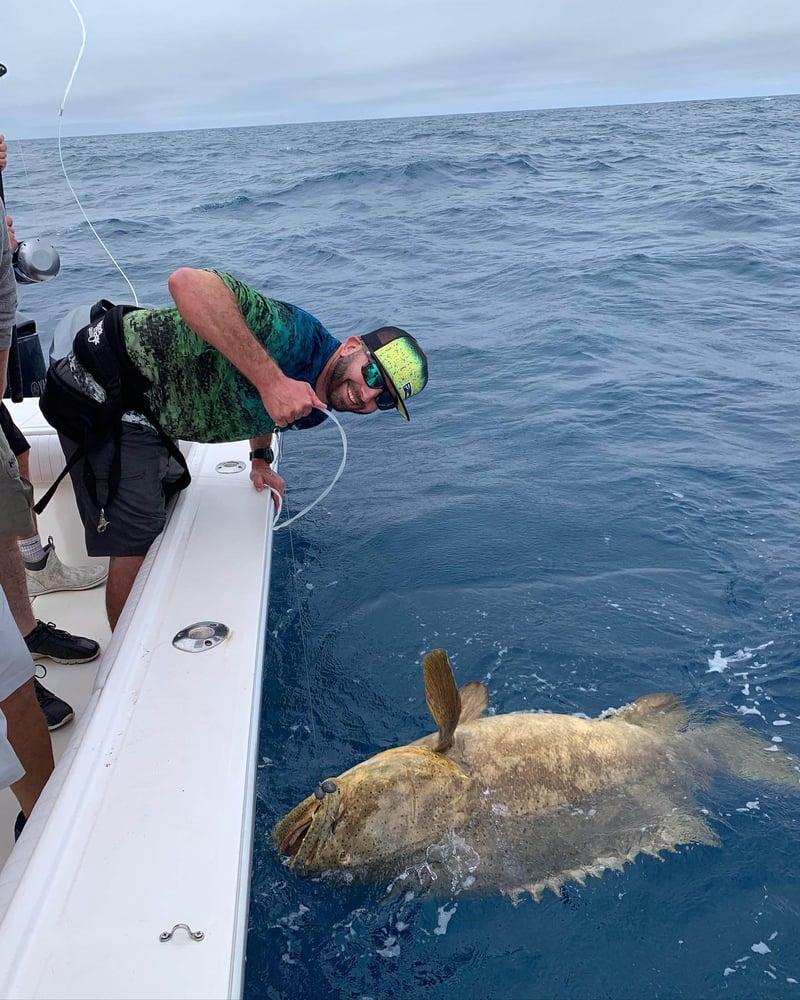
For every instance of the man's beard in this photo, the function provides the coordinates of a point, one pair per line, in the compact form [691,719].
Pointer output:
[338,396]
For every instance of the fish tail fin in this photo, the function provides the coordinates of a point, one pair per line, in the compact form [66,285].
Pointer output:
[741,752]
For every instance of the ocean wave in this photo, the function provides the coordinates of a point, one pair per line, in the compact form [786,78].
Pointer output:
[234,203]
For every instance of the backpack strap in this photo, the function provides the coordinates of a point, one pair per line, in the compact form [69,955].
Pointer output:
[43,501]
[100,308]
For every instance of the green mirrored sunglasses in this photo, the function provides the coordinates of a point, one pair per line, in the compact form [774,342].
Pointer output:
[373,376]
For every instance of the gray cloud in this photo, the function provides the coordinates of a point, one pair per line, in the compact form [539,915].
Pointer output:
[191,64]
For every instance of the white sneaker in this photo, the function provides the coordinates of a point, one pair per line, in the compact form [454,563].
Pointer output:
[55,576]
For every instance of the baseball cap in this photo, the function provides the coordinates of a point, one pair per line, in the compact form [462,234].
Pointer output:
[401,361]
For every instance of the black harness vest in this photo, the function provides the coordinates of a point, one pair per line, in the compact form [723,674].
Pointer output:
[100,348]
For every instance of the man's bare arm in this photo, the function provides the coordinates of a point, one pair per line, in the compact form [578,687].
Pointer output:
[211,310]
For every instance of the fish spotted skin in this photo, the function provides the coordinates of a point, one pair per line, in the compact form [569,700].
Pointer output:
[522,802]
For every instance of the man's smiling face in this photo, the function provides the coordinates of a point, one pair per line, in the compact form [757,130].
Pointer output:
[347,389]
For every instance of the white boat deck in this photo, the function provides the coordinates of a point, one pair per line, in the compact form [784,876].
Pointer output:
[147,821]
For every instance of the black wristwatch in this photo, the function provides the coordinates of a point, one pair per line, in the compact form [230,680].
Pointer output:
[265,453]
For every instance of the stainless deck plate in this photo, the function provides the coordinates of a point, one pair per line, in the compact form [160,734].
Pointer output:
[201,636]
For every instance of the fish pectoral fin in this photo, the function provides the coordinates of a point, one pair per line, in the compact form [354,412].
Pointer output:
[598,868]
[679,827]
[553,883]
[664,712]
[441,695]
[535,890]
[474,701]
[676,825]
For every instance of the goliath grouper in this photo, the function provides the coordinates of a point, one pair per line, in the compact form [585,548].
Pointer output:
[524,802]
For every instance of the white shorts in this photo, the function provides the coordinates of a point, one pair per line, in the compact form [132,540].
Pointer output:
[16,662]
[10,768]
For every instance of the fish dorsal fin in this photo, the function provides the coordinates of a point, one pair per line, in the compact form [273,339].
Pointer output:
[441,694]
[663,712]
[474,701]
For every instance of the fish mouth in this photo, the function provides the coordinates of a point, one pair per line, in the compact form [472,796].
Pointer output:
[302,832]
[293,840]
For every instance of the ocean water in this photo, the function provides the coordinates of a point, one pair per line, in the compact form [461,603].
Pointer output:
[596,498]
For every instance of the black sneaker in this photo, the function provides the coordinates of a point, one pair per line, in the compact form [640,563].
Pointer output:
[57,712]
[55,643]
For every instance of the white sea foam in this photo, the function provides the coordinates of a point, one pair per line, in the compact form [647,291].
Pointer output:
[718,663]
[749,806]
[391,948]
[445,917]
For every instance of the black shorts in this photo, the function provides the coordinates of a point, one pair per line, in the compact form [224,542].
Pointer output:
[138,512]
[16,439]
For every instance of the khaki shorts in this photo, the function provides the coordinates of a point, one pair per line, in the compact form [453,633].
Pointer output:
[16,493]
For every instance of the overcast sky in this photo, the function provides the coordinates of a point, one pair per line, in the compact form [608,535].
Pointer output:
[175,64]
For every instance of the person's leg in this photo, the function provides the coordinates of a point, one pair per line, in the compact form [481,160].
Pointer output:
[28,735]
[27,730]
[43,639]
[12,580]
[30,546]
[138,512]
[122,572]
[40,639]
[15,520]
[44,571]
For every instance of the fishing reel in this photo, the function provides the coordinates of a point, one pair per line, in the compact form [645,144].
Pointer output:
[34,261]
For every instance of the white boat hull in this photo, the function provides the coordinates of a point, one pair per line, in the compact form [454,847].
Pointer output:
[148,819]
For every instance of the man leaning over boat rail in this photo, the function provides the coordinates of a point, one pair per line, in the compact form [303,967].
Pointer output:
[226,363]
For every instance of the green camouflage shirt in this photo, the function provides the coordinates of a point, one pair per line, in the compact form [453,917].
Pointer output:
[196,393]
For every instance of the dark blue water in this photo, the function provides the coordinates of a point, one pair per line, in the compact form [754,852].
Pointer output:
[597,496]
